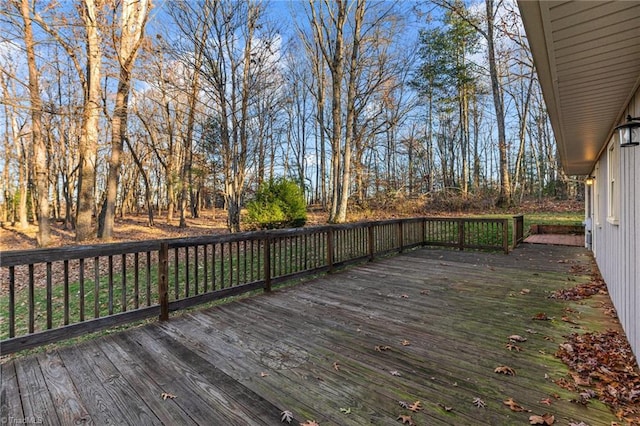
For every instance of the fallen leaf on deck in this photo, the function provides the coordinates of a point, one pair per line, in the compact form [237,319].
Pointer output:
[406,420]
[514,406]
[167,395]
[479,403]
[415,407]
[540,316]
[503,369]
[546,401]
[286,416]
[567,347]
[345,410]
[381,348]
[395,373]
[263,374]
[445,408]
[545,419]
[404,296]
[336,366]
[310,423]
[517,338]
[525,291]
[569,320]
[578,424]
[581,381]
[405,342]
[513,347]
[424,291]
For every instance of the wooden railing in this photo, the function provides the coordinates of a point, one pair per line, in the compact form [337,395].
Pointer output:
[518,229]
[52,294]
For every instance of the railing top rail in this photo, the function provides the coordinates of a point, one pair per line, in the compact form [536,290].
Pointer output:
[32,256]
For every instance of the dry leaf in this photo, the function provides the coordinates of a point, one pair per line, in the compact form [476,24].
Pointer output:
[545,419]
[525,291]
[513,347]
[345,410]
[395,373]
[263,374]
[514,406]
[310,423]
[336,366]
[405,342]
[445,408]
[381,348]
[503,369]
[479,403]
[580,381]
[424,291]
[540,316]
[406,420]
[546,401]
[517,338]
[167,395]
[415,407]
[404,296]
[286,416]
[403,404]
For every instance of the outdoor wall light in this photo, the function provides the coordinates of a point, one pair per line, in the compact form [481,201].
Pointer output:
[589,180]
[629,132]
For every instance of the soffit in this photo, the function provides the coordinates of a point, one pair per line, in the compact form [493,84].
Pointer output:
[587,55]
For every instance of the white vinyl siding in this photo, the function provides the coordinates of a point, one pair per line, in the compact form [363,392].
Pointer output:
[616,240]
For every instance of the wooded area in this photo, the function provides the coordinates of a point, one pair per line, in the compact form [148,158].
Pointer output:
[112,107]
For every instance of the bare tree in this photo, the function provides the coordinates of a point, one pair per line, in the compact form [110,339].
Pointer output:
[133,18]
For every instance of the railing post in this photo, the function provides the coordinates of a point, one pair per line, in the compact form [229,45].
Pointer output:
[505,235]
[330,249]
[267,264]
[461,234]
[401,235]
[424,231]
[371,242]
[163,281]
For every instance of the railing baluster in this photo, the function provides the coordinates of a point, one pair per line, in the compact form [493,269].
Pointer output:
[238,262]
[49,297]
[148,278]
[136,280]
[221,265]
[123,296]
[96,288]
[186,272]
[267,264]
[12,301]
[196,269]
[110,285]
[205,261]
[31,300]
[163,281]
[66,292]
[213,267]
[176,273]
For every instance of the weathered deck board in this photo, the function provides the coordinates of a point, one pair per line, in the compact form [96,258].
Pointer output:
[244,362]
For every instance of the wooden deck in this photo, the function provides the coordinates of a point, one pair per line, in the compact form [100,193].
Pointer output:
[556,239]
[429,326]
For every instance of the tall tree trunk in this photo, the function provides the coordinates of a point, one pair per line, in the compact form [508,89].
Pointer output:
[39,158]
[134,17]
[88,146]
[351,113]
[504,198]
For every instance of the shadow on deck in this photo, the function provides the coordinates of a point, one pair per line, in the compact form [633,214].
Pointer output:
[429,326]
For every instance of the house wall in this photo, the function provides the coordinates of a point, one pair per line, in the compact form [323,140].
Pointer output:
[616,231]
